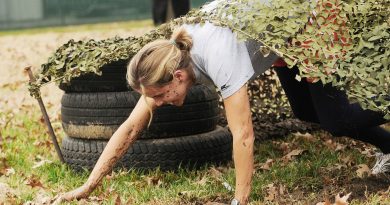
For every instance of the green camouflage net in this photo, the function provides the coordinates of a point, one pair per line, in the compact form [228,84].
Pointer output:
[345,43]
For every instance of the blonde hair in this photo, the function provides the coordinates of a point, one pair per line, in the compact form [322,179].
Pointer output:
[156,62]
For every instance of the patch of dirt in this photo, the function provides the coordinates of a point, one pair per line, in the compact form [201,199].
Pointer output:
[20,51]
[362,187]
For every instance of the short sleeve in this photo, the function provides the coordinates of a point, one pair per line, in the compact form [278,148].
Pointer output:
[226,61]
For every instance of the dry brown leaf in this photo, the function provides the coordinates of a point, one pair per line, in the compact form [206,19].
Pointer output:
[363,170]
[130,201]
[154,181]
[214,203]
[288,157]
[6,192]
[338,200]
[9,171]
[334,145]
[203,181]
[282,189]
[339,166]
[266,165]
[284,146]
[326,202]
[306,136]
[118,200]
[41,163]
[41,197]
[33,181]
[340,146]
[215,173]
[45,143]
[343,200]
[327,180]
[272,192]
[347,161]
[187,194]
[330,144]
[368,151]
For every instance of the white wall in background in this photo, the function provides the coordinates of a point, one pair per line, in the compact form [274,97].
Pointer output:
[19,10]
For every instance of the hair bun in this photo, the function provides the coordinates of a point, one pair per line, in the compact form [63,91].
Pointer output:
[182,39]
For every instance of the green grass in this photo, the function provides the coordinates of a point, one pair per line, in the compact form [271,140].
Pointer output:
[84,27]
[24,141]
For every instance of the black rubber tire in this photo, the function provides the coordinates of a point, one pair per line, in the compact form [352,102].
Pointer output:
[98,115]
[193,151]
[113,79]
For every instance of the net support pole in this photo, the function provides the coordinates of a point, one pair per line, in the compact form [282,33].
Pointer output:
[46,117]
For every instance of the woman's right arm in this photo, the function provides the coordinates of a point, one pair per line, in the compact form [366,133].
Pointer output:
[116,147]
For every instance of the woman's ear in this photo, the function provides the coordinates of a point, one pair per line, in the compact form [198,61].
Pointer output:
[180,75]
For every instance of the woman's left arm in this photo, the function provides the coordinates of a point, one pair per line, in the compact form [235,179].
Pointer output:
[240,123]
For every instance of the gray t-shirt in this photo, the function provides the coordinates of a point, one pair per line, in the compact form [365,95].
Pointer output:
[219,56]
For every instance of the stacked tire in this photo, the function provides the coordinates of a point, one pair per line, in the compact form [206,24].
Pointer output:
[93,107]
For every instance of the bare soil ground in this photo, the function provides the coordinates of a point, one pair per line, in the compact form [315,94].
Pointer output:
[20,51]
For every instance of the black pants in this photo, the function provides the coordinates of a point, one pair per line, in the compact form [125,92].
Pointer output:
[159,9]
[323,104]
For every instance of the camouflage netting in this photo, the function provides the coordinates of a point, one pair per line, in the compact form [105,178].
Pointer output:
[342,42]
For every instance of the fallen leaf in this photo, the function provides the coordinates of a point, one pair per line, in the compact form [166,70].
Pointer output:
[306,136]
[327,180]
[363,170]
[46,143]
[266,165]
[326,202]
[33,181]
[369,152]
[3,165]
[288,157]
[330,144]
[9,172]
[41,163]
[40,198]
[214,203]
[203,181]
[282,146]
[187,194]
[130,201]
[215,173]
[282,189]
[334,145]
[154,181]
[271,192]
[347,161]
[340,146]
[6,192]
[339,166]
[343,200]
[338,200]
[95,198]
[118,200]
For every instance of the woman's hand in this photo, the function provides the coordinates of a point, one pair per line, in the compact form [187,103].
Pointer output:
[79,193]
[116,147]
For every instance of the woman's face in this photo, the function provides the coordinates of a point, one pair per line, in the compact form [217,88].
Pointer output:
[173,93]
